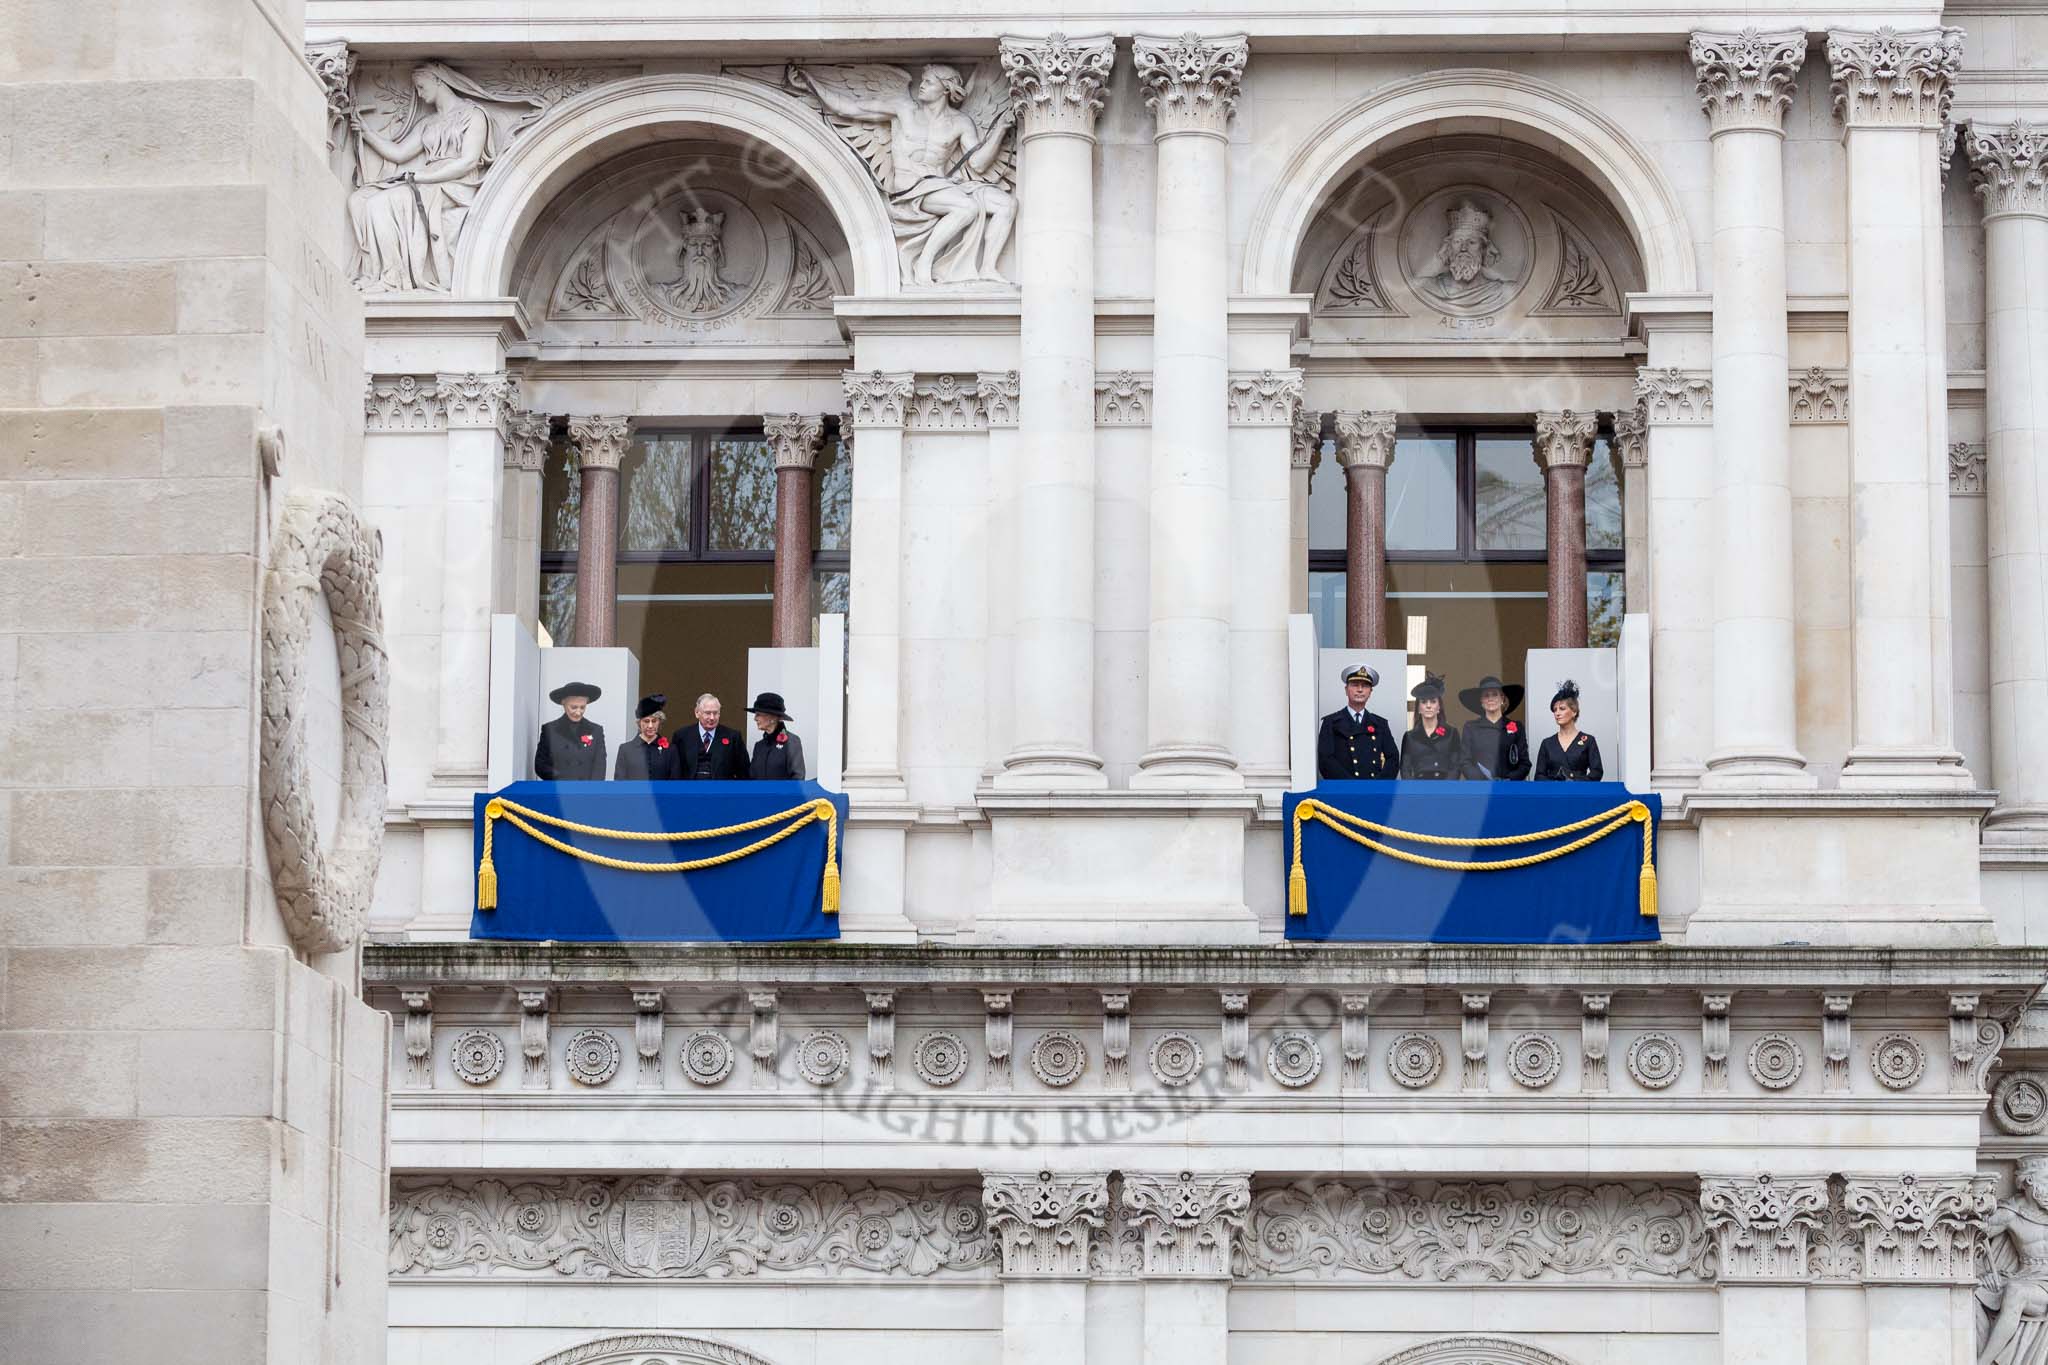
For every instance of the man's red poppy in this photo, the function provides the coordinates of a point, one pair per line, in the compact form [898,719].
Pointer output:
[725,741]
[586,740]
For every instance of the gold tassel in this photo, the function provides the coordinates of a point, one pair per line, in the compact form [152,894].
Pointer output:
[486,885]
[828,894]
[1646,891]
[1297,891]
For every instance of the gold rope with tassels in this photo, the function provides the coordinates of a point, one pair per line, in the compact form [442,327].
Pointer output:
[511,812]
[1350,825]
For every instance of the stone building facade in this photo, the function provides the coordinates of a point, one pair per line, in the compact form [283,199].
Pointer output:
[1087,366]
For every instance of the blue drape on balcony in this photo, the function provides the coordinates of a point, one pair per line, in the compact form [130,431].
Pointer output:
[770,895]
[1591,895]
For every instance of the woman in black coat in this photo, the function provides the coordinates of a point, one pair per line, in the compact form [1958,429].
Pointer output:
[778,754]
[1570,755]
[1495,744]
[1431,750]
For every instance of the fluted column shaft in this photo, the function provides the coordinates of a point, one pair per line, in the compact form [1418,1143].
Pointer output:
[1191,86]
[1056,85]
[1365,449]
[2010,168]
[1563,449]
[794,438]
[875,404]
[600,446]
[1892,91]
[1745,85]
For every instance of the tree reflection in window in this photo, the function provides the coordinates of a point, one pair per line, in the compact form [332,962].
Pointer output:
[658,494]
[742,508]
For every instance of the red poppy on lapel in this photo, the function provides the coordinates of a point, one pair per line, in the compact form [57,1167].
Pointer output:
[1439,732]
[586,740]
[1371,730]
[782,738]
[725,741]
[661,743]
[1511,727]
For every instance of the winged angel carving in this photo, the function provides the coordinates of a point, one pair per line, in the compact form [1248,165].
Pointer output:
[940,149]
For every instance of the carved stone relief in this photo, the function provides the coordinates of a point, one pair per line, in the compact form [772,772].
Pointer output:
[665,1227]
[2012,1271]
[1966,469]
[1474,1351]
[2019,1104]
[655,1348]
[707,1057]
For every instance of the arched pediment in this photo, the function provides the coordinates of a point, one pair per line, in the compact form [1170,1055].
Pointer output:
[1474,1351]
[654,1348]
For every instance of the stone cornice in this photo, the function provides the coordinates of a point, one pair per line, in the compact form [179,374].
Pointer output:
[1056,82]
[1564,439]
[1365,440]
[1191,81]
[2009,167]
[1746,79]
[1888,78]
[601,442]
[795,438]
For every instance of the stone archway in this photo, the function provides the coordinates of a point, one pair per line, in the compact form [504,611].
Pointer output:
[1474,1351]
[583,132]
[1594,144]
[654,1348]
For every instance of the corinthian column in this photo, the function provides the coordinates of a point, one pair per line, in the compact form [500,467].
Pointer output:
[479,406]
[875,404]
[1044,1224]
[2010,169]
[1563,449]
[1920,1237]
[1745,85]
[1186,1224]
[1056,87]
[1365,448]
[600,445]
[794,438]
[1191,86]
[1892,91]
[1761,1225]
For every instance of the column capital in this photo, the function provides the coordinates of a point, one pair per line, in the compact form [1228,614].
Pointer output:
[1761,1224]
[877,398]
[1885,78]
[794,437]
[1919,1229]
[1056,82]
[1191,81]
[403,402]
[1187,1222]
[1670,395]
[476,401]
[1043,1221]
[1564,439]
[1632,436]
[526,441]
[1265,399]
[1746,79]
[1306,435]
[2009,167]
[996,392]
[1365,440]
[601,441]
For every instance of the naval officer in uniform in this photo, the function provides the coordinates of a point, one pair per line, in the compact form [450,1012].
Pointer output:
[1354,744]
[571,747]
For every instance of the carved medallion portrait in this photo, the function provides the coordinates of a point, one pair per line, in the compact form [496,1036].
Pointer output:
[1466,251]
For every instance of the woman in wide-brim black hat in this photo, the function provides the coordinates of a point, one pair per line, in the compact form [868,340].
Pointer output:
[1496,746]
[1570,755]
[778,753]
[571,746]
[1431,751]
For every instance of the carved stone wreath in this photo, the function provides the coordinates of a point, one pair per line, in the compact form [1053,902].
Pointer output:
[661,1348]
[1415,1060]
[321,546]
[706,1057]
[478,1056]
[1293,1059]
[823,1057]
[2019,1104]
[1534,1060]
[1655,1060]
[1775,1060]
[940,1058]
[592,1057]
[1175,1058]
[1058,1057]
[1898,1061]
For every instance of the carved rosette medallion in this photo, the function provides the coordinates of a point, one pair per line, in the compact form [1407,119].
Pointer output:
[707,1057]
[1415,1060]
[1294,1059]
[1655,1060]
[1775,1060]
[823,1057]
[1175,1058]
[1058,1057]
[1534,1060]
[2019,1104]
[940,1058]
[478,1056]
[1898,1061]
[592,1057]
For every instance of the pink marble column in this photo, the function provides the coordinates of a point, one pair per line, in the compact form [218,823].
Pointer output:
[600,446]
[1564,447]
[1365,448]
[794,439]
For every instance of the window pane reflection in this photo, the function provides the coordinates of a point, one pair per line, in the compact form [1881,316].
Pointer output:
[656,475]
[561,498]
[1422,494]
[742,495]
[558,607]
[1326,603]
[1507,495]
[1326,501]
[832,518]
[1603,608]
[1603,498]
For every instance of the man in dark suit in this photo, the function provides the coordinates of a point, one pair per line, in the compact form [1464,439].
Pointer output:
[571,749]
[710,752]
[1354,744]
[649,756]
